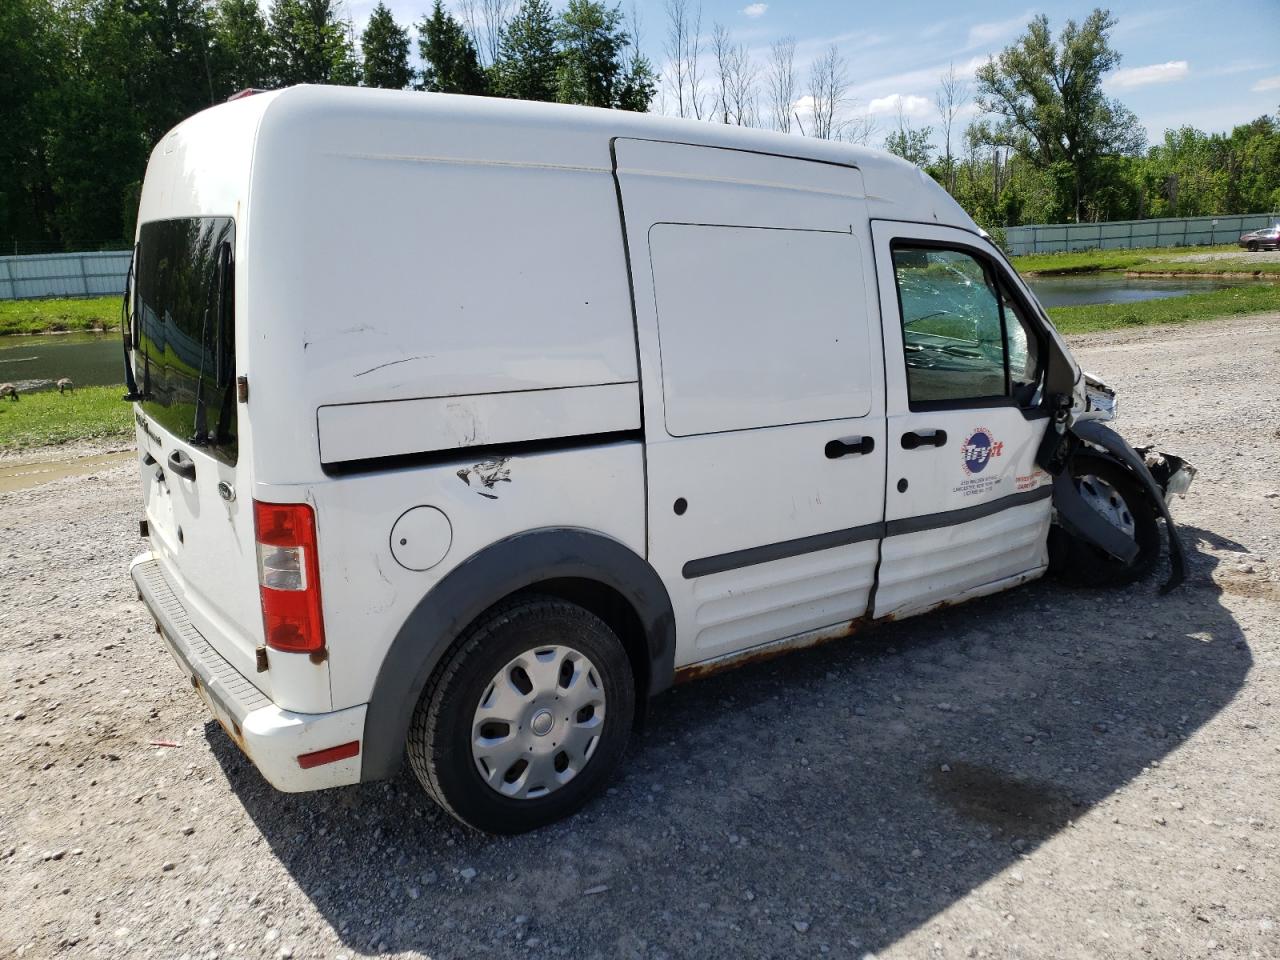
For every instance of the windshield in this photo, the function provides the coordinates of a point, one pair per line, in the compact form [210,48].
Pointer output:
[184,360]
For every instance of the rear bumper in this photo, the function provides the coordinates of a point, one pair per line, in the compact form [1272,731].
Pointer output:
[270,737]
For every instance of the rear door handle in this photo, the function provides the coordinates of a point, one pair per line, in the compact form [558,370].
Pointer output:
[912,440]
[849,447]
[182,465]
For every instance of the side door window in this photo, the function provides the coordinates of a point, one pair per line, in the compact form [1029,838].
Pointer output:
[952,329]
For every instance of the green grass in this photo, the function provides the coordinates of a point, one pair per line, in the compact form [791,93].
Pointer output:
[1092,261]
[1266,269]
[1193,308]
[49,316]
[49,417]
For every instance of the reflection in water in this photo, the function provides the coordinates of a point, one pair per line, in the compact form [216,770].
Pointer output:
[88,359]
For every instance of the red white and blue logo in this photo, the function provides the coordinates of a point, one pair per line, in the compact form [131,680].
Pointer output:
[979,449]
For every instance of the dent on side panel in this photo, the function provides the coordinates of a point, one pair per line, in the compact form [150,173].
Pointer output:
[921,570]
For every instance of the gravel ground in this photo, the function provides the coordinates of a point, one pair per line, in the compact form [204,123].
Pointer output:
[1048,773]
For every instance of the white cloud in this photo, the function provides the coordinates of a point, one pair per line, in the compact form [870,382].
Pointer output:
[981,34]
[1155,73]
[754,10]
[1265,84]
[910,105]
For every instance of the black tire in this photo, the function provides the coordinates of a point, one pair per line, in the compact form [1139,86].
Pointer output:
[1084,564]
[439,740]
[1253,246]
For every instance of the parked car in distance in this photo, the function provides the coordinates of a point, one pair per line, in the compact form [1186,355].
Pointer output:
[1268,238]
[465,426]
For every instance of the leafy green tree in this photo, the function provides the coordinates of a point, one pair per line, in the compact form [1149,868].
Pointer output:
[311,44]
[452,65]
[913,146]
[241,47]
[527,58]
[1047,98]
[385,45]
[31,52]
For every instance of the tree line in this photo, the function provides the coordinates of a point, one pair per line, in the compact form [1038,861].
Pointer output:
[90,86]
[1045,143]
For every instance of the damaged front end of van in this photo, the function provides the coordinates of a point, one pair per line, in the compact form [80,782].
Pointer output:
[1108,495]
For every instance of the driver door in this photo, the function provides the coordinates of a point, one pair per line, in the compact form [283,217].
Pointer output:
[967,510]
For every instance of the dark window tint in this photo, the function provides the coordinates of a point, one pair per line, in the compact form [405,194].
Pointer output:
[184,317]
[952,331]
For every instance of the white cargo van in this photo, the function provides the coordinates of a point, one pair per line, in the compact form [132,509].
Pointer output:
[466,426]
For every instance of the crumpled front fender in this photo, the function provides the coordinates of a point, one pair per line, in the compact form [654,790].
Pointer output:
[1075,513]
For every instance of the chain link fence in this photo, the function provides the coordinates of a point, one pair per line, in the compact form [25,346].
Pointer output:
[1129,234]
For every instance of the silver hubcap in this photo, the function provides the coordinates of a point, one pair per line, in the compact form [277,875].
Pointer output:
[538,722]
[1107,501]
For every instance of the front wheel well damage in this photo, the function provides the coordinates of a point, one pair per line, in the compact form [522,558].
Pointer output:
[1092,438]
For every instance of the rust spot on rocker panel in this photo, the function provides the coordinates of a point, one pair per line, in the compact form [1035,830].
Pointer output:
[768,651]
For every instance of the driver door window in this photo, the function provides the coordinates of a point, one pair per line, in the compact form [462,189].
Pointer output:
[952,327]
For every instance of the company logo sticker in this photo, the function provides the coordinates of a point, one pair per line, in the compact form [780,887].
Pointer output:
[979,449]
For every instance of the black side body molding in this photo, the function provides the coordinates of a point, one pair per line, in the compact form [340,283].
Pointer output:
[481,581]
[1100,435]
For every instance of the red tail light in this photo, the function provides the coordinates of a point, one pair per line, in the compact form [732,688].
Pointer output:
[289,576]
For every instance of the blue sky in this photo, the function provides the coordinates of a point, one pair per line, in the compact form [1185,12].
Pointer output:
[1209,64]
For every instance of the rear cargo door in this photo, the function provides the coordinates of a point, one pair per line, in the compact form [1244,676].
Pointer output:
[188,431]
[967,509]
[762,389]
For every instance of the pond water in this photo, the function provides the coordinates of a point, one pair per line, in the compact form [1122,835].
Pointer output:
[34,363]
[89,359]
[1082,290]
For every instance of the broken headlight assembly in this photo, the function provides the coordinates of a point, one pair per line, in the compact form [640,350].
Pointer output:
[1099,400]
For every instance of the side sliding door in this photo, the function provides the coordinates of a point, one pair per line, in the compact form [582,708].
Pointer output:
[967,510]
[763,398]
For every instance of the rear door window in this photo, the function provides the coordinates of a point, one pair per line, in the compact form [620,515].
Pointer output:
[185,323]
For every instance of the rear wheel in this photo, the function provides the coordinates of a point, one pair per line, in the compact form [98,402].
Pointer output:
[526,719]
[1117,495]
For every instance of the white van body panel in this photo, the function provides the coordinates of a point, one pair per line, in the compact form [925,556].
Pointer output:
[202,169]
[599,488]
[713,230]
[364,431]
[510,318]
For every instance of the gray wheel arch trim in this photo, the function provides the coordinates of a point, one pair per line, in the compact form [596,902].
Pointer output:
[500,569]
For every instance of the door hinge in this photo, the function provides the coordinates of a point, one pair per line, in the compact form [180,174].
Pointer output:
[260,655]
[242,389]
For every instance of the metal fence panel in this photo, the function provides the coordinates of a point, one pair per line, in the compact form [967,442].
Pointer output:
[63,275]
[1127,234]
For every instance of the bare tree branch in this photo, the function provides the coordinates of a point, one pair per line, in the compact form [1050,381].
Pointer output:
[828,85]
[951,98]
[781,80]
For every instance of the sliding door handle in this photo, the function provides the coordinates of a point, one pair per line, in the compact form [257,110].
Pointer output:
[912,440]
[849,447]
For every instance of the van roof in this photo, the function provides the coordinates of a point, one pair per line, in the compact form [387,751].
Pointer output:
[409,124]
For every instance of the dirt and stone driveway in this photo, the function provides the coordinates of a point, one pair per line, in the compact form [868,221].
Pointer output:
[1050,773]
